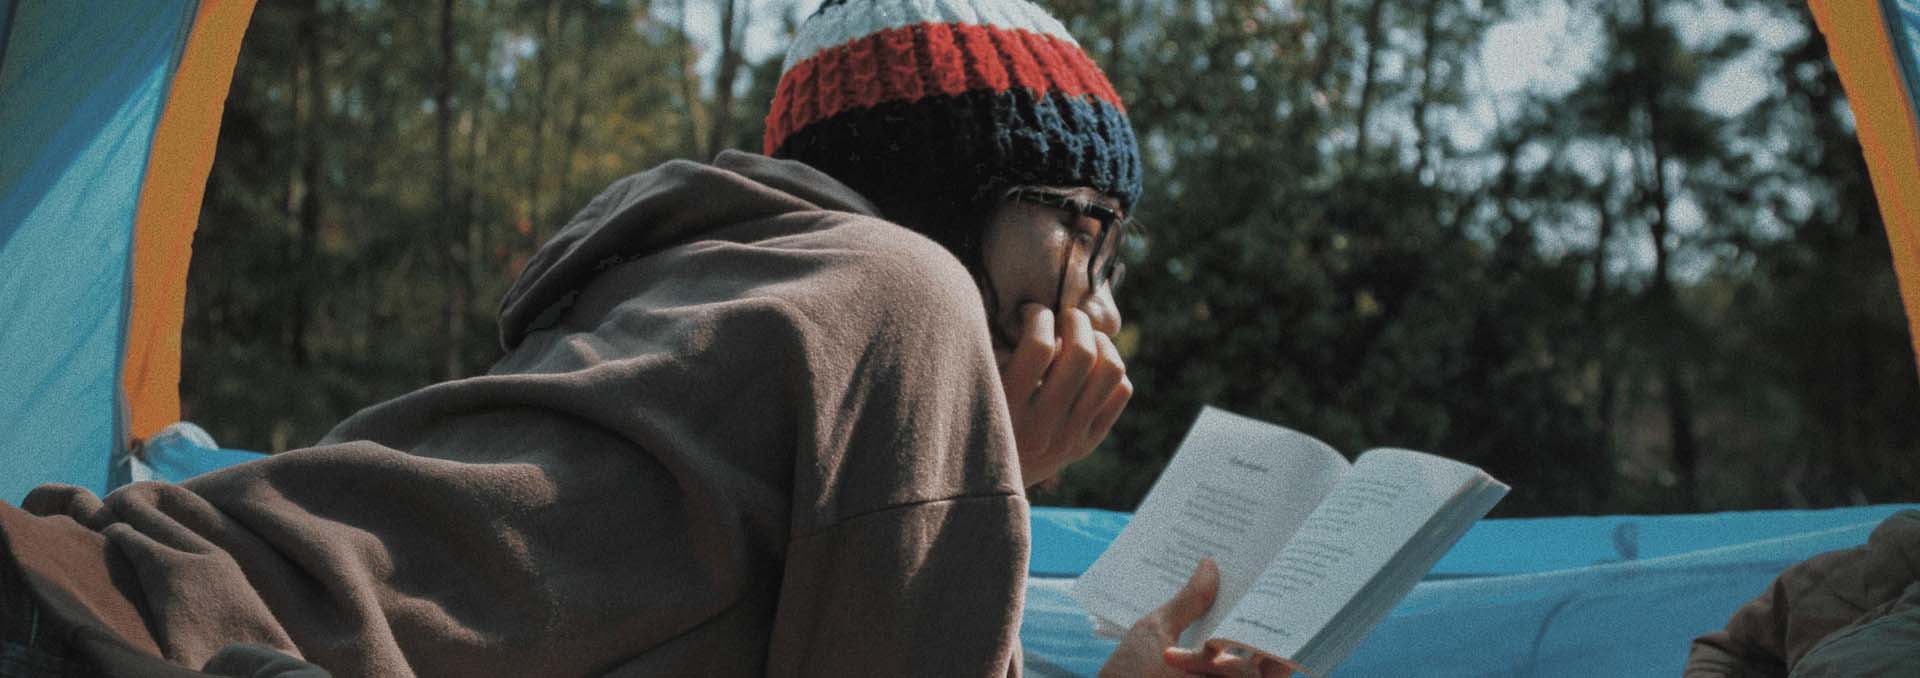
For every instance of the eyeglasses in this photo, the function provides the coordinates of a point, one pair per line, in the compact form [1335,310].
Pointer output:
[1108,271]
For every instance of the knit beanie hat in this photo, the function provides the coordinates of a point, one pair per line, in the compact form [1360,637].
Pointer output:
[927,107]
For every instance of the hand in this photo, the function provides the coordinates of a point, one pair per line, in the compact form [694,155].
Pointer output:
[1064,388]
[1148,649]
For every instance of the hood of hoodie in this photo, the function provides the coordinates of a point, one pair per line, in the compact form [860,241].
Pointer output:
[677,202]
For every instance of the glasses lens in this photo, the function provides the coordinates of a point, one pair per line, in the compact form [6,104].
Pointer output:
[1107,265]
[1103,260]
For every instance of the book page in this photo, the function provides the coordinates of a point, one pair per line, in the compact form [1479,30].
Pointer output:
[1387,497]
[1398,578]
[1234,491]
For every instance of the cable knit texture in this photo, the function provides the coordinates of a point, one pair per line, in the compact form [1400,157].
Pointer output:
[931,105]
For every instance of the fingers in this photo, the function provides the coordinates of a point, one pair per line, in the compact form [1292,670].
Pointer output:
[1064,380]
[1020,378]
[1030,358]
[1103,374]
[1194,599]
[1186,607]
[1101,400]
[1109,413]
[1209,660]
[1199,661]
[1065,384]
[1274,668]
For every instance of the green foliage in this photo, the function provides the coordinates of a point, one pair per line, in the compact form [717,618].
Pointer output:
[339,260]
[1376,283]
[1617,300]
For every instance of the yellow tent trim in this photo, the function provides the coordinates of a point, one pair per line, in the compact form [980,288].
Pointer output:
[1885,121]
[169,209]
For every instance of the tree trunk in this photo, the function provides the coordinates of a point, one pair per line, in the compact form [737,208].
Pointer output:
[1686,446]
[1374,11]
[1323,58]
[727,72]
[536,161]
[478,249]
[582,71]
[1506,185]
[454,316]
[309,109]
[295,188]
[690,86]
[1429,30]
[1596,295]
[1598,335]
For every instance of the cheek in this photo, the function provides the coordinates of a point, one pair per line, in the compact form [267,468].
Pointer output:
[1024,270]
[1020,251]
[1006,293]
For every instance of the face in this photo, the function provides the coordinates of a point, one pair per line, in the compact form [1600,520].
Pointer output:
[1027,247]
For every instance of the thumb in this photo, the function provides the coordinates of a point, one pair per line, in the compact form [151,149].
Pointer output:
[1199,661]
[1194,599]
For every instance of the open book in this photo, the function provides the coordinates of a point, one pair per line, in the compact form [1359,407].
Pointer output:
[1313,551]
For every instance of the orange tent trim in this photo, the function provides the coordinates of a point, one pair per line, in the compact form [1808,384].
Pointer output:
[169,210]
[1885,120]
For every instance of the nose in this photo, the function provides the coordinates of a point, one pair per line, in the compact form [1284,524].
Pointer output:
[1097,302]
[1102,311]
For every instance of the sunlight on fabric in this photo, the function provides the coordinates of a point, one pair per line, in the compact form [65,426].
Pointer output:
[1561,596]
[79,98]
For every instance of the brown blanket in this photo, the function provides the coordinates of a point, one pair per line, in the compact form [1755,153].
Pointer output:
[745,427]
[1825,598]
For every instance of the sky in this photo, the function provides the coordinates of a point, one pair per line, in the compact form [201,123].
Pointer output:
[1543,49]
[1531,53]
[1527,52]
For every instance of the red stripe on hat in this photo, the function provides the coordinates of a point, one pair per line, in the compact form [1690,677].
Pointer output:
[949,65]
[1092,80]
[886,66]
[779,112]
[1059,76]
[829,91]
[900,74]
[862,82]
[983,69]
[1026,71]
[806,101]
[776,122]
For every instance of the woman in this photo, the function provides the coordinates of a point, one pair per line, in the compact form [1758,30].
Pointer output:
[745,424]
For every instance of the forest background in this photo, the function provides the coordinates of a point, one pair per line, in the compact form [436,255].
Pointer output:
[1617,291]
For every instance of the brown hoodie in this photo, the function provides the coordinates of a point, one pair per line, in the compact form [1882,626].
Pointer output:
[744,427]
[1839,613]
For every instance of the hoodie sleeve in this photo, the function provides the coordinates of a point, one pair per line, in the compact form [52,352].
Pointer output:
[930,589]
[1809,601]
[908,549]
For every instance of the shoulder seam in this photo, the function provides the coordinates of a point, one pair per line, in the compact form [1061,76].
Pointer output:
[843,520]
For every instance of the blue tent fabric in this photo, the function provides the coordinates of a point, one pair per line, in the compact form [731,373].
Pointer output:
[78,124]
[180,451]
[1067,540]
[1520,597]
[1573,596]
[1903,26]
